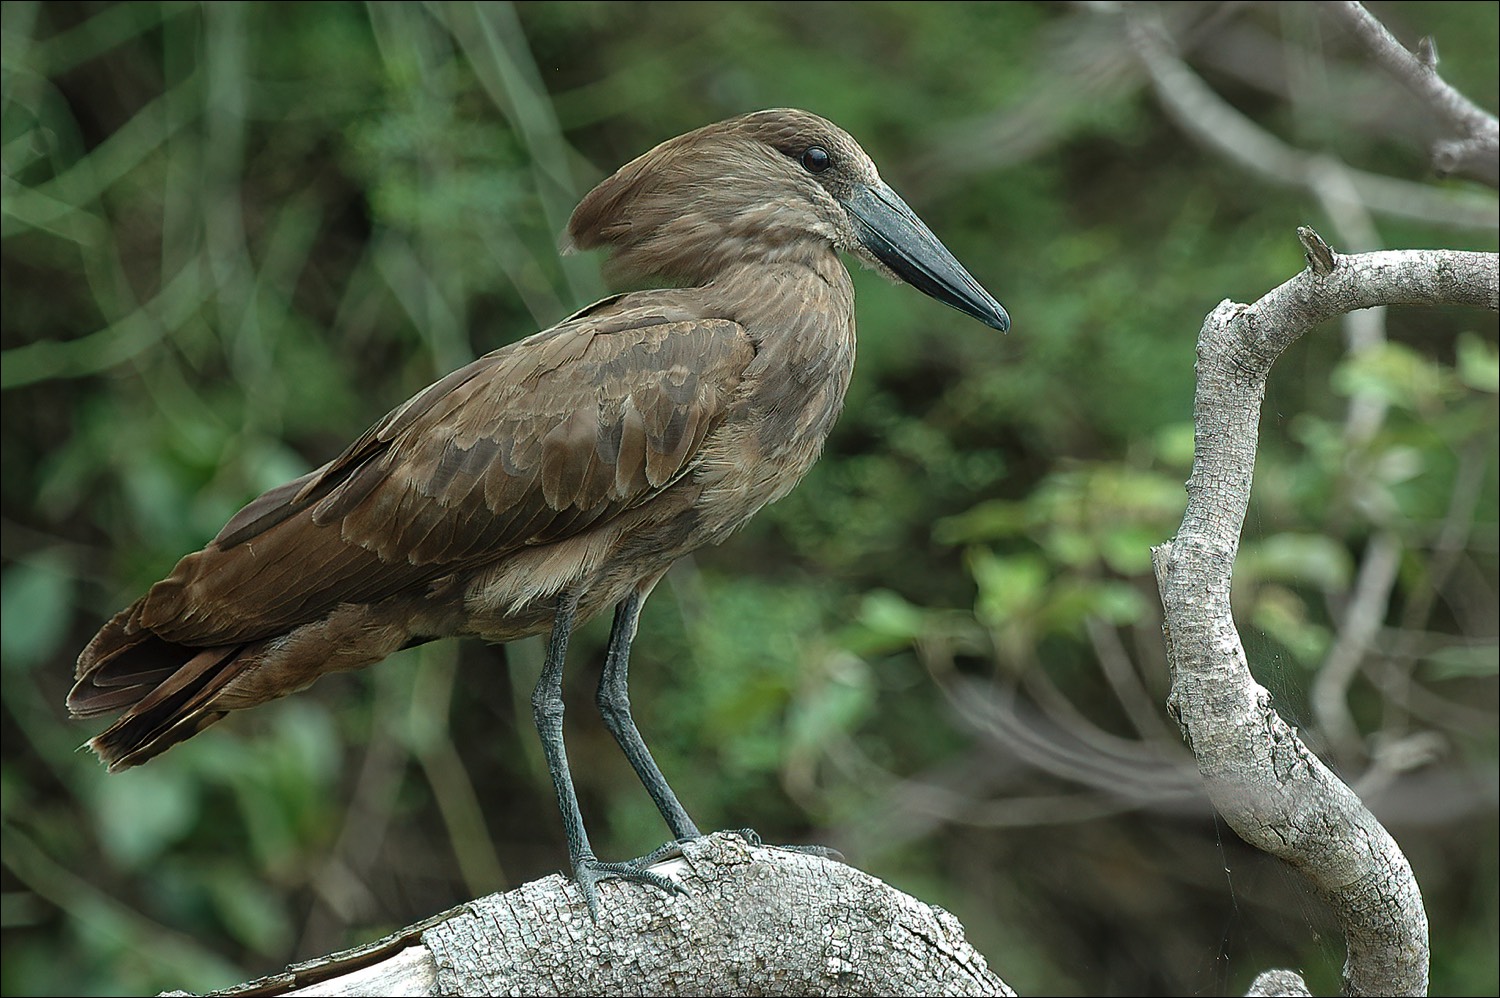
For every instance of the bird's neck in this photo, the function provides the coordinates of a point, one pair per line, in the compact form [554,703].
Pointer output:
[801,317]
[807,298]
[814,275]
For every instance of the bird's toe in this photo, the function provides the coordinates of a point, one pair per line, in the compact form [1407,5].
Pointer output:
[751,836]
[588,872]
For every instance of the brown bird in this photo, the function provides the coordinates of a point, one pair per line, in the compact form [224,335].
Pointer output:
[561,474]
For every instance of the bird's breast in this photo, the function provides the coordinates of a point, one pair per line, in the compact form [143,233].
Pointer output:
[777,411]
[789,402]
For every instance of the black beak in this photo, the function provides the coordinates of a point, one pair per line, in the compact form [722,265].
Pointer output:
[904,243]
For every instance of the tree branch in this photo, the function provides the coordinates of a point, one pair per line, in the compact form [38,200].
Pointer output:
[1477,153]
[1268,786]
[1217,125]
[757,920]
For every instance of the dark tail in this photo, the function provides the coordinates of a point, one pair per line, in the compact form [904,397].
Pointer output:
[166,690]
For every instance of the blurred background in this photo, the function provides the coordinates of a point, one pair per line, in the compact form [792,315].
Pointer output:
[234,235]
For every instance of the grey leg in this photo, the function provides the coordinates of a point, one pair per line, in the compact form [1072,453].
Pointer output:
[614,707]
[547,711]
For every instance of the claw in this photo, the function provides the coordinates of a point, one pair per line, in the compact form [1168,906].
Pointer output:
[662,853]
[588,871]
[751,836]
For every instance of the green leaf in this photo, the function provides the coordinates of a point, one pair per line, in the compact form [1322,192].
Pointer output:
[1463,661]
[1395,374]
[1174,445]
[991,520]
[36,595]
[1010,589]
[889,615]
[1478,364]
[830,710]
[1282,614]
[1127,549]
[1305,558]
[252,911]
[143,811]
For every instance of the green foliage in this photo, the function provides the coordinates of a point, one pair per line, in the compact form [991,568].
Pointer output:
[35,595]
[236,234]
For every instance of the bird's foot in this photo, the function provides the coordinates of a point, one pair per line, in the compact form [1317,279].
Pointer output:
[588,871]
[662,853]
[673,849]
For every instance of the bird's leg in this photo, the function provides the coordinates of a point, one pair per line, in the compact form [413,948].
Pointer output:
[547,711]
[614,707]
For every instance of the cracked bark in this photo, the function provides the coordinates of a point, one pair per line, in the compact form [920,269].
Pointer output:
[758,920]
[1274,792]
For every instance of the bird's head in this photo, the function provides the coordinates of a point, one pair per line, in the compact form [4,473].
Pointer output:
[772,185]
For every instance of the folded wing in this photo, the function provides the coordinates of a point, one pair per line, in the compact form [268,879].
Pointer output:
[531,444]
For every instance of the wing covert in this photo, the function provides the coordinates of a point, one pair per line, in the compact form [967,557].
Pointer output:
[527,445]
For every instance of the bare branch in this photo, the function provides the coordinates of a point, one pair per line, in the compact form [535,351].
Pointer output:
[1476,153]
[1211,120]
[1319,254]
[1268,786]
[756,920]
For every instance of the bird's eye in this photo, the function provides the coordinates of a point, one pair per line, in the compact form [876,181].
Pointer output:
[816,159]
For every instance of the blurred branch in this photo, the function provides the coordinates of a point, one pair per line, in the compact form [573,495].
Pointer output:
[1085,66]
[1124,679]
[443,765]
[79,893]
[120,341]
[1140,773]
[1211,120]
[1361,626]
[1477,153]
[906,807]
[756,920]
[1275,793]
[1396,687]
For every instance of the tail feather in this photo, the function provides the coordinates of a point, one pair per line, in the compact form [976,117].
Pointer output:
[93,703]
[120,748]
[122,654]
[167,690]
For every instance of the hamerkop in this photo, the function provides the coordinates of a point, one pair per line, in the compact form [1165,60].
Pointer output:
[561,474]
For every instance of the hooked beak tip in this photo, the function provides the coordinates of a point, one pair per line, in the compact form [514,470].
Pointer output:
[999,320]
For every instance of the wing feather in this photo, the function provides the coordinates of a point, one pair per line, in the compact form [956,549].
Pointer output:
[527,445]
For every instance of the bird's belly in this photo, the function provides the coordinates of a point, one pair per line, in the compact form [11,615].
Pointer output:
[517,596]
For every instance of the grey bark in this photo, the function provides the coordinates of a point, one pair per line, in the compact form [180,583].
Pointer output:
[1268,786]
[757,920]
